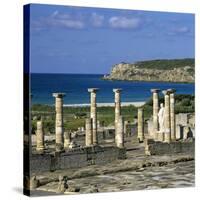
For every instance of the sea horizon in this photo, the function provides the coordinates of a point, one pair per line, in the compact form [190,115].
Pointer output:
[75,86]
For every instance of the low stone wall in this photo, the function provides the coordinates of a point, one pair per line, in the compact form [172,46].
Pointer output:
[75,158]
[159,148]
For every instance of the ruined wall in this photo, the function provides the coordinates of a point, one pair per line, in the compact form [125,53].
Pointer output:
[40,163]
[75,158]
[160,148]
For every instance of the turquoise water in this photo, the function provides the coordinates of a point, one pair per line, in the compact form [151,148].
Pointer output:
[75,86]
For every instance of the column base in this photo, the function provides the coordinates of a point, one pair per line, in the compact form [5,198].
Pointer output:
[40,149]
[140,140]
[160,137]
[59,147]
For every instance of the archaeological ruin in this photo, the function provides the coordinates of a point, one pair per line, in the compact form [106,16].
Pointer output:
[165,133]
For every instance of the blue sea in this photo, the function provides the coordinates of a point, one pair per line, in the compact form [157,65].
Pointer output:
[75,86]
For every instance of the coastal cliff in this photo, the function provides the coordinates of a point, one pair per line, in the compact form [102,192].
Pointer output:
[179,70]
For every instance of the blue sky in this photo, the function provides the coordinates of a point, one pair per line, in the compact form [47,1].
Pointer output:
[91,40]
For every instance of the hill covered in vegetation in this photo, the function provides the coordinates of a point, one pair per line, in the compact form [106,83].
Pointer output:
[174,70]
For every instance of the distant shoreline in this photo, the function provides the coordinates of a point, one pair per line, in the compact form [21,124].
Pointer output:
[137,104]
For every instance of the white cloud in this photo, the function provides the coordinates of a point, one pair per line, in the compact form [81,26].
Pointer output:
[97,20]
[124,22]
[57,19]
[183,29]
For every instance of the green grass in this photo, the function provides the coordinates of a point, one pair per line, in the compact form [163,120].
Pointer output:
[183,104]
[167,64]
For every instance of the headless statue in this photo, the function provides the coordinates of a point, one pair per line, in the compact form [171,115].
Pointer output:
[161,116]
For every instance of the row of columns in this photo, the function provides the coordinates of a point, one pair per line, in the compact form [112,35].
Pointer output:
[90,124]
[169,115]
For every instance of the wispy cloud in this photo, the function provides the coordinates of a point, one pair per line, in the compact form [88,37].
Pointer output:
[124,22]
[97,20]
[57,19]
[181,30]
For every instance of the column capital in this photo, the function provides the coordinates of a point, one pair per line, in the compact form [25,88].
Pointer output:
[93,90]
[155,90]
[165,92]
[171,90]
[117,90]
[58,95]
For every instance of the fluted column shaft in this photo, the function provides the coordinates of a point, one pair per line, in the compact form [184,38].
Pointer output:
[59,129]
[140,125]
[67,139]
[39,136]
[117,108]
[88,132]
[93,113]
[172,114]
[167,137]
[119,135]
[155,112]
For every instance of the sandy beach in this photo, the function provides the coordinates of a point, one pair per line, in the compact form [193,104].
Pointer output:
[137,104]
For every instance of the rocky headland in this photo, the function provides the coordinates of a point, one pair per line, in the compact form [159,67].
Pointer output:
[178,70]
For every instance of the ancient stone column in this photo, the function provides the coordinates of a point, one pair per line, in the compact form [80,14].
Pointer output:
[98,124]
[119,134]
[88,132]
[67,139]
[167,137]
[117,106]
[93,113]
[155,112]
[172,114]
[140,125]
[125,127]
[39,137]
[59,130]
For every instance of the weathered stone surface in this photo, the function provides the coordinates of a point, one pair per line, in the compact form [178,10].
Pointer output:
[67,139]
[119,132]
[75,158]
[167,136]
[88,132]
[59,130]
[93,113]
[150,128]
[140,135]
[172,114]
[158,148]
[117,92]
[155,112]
[62,184]
[132,72]
[34,183]
[40,137]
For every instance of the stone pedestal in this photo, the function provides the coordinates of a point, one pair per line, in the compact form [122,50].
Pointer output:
[119,132]
[172,114]
[67,139]
[167,137]
[88,132]
[140,135]
[39,137]
[160,137]
[155,112]
[59,130]
[93,113]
